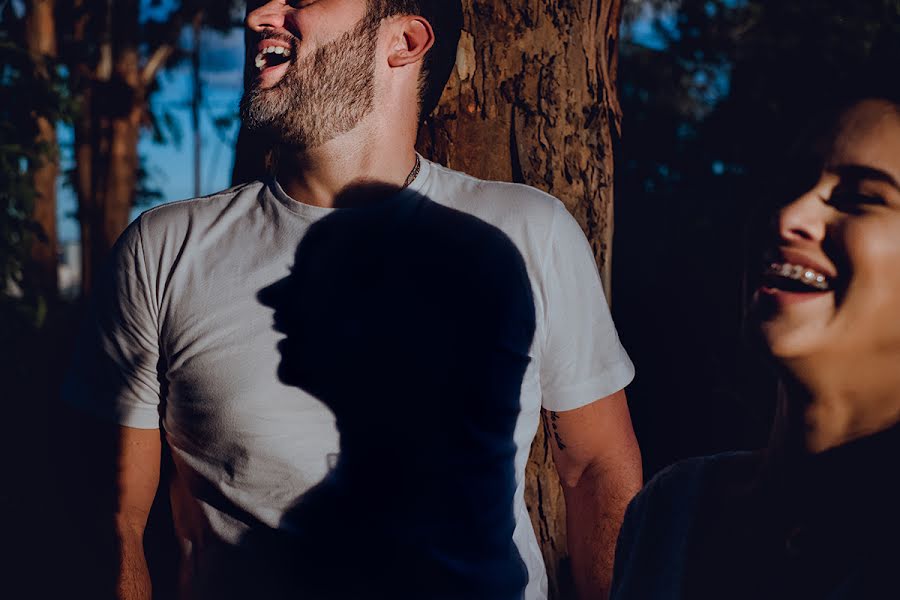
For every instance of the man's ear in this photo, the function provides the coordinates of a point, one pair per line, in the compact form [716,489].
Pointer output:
[414,38]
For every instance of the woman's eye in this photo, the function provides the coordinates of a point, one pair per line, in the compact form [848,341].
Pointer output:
[852,201]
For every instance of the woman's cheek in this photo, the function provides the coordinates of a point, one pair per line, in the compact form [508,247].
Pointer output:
[872,245]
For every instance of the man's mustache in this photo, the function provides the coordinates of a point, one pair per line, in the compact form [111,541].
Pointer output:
[281,37]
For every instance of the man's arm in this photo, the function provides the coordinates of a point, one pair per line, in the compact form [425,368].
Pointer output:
[110,475]
[599,465]
[137,480]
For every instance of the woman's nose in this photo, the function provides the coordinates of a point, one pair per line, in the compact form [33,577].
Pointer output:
[804,219]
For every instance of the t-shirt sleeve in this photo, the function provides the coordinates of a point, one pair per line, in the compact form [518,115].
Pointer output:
[582,359]
[115,371]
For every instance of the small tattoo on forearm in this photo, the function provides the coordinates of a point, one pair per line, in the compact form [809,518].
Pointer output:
[551,427]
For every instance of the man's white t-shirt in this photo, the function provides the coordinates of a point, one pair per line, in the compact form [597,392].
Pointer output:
[184,343]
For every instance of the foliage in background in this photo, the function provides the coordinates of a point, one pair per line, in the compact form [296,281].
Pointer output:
[735,77]
[60,93]
[27,89]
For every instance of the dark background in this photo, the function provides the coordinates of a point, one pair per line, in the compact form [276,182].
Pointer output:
[712,92]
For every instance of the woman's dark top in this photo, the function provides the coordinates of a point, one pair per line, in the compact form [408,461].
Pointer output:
[736,526]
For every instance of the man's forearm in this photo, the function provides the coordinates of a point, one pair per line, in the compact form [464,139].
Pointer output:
[595,507]
[133,581]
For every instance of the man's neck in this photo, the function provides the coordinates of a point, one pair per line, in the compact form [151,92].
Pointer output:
[364,155]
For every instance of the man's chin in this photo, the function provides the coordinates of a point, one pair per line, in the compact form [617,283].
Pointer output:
[262,122]
[262,109]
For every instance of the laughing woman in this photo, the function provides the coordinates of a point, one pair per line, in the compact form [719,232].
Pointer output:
[816,514]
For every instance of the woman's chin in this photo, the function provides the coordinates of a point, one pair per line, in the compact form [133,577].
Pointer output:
[796,330]
[787,341]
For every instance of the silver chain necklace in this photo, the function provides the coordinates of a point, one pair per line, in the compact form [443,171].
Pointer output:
[413,174]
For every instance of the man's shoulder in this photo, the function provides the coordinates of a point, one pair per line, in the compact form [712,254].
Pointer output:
[522,200]
[180,212]
[170,226]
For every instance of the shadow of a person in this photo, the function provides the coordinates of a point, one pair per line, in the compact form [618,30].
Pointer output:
[413,323]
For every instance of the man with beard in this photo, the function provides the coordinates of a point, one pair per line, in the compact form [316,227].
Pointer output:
[181,344]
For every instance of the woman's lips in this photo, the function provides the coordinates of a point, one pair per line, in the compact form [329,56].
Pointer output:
[794,279]
[793,256]
[785,298]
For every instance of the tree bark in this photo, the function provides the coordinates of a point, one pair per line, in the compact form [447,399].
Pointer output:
[532,100]
[40,35]
[113,97]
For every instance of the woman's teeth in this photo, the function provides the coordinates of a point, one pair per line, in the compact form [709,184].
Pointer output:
[799,273]
[262,61]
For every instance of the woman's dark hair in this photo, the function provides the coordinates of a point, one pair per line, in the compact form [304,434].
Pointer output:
[875,78]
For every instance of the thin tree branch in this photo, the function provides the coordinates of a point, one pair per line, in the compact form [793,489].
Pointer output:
[164,52]
[156,61]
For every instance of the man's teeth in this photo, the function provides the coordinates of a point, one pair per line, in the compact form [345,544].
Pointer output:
[261,57]
[800,273]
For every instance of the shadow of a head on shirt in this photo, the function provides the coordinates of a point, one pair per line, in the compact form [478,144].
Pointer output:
[413,323]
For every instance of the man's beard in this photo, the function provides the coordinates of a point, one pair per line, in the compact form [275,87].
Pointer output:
[321,96]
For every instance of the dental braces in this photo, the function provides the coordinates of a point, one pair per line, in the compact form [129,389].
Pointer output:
[799,273]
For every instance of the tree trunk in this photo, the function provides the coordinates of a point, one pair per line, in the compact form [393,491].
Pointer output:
[532,100]
[40,35]
[113,108]
[107,164]
[252,150]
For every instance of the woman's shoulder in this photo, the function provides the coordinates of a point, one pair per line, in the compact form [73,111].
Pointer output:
[653,540]
[671,498]
[692,475]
